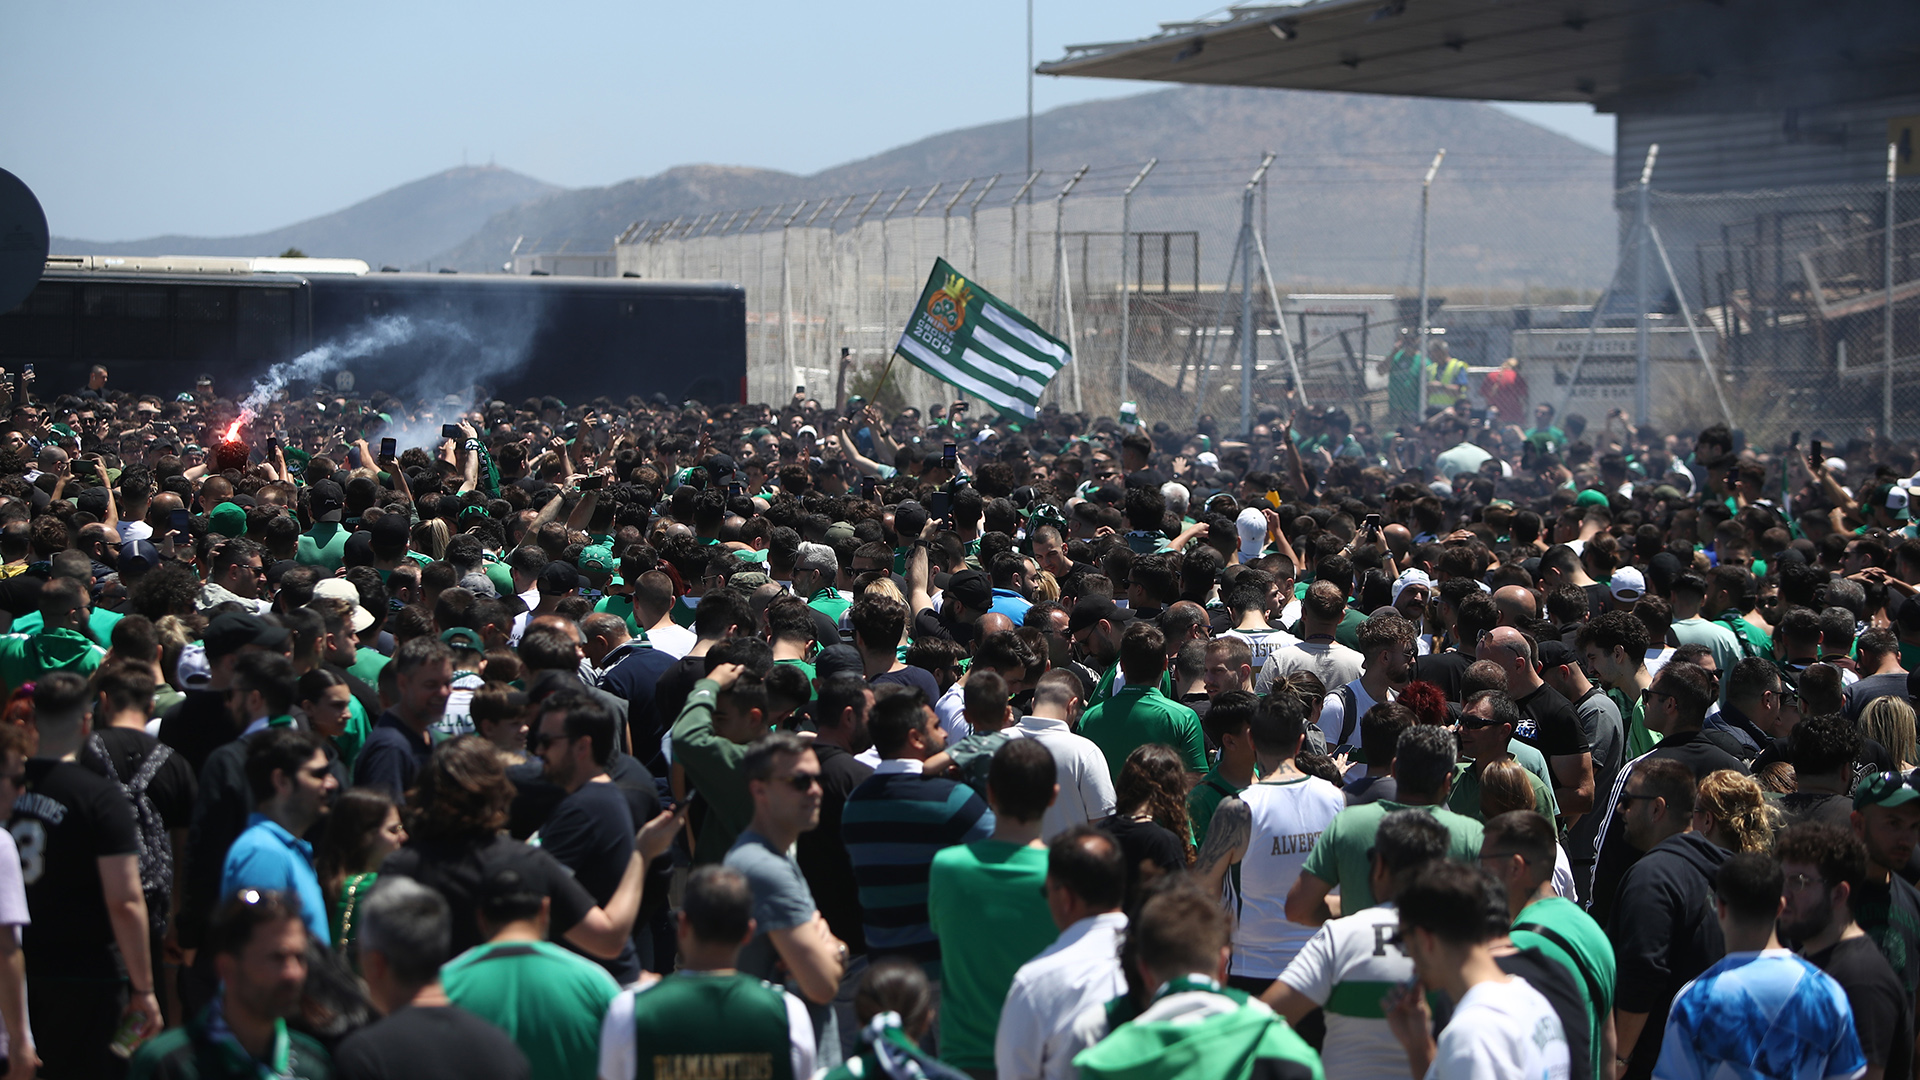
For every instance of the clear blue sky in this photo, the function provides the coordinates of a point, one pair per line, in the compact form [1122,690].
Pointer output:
[131,120]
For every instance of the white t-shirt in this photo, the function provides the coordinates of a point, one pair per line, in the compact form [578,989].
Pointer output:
[1352,956]
[951,709]
[674,640]
[1288,817]
[13,905]
[1502,1031]
[1086,784]
[1333,663]
[1263,643]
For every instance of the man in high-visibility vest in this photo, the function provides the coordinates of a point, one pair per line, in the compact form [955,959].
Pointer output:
[1449,377]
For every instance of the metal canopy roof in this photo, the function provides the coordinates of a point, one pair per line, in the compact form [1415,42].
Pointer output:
[1656,54]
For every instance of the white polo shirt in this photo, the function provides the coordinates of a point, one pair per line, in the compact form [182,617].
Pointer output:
[1086,785]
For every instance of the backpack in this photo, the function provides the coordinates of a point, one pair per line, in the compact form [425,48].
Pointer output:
[1349,722]
[156,847]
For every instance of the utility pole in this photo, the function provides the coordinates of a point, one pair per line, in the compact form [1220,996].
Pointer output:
[1643,355]
[1426,232]
[1062,282]
[1246,295]
[1886,383]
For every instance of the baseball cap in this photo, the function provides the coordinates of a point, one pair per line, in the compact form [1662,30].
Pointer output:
[1590,497]
[838,531]
[1557,654]
[228,634]
[559,577]
[1887,789]
[1627,584]
[1208,458]
[1252,527]
[1090,610]
[480,585]
[718,466]
[972,588]
[1411,576]
[597,559]
[464,638]
[836,659]
[227,519]
[746,581]
[327,501]
[336,588]
[138,553]
[1891,496]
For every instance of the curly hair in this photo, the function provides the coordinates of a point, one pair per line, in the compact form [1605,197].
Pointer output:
[1154,782]
[464,794]
[1428,702]
[1739,809]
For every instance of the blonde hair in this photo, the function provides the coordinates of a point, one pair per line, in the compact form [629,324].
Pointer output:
[1890,722]
[1739,810]
[1045,588]
[1504,787]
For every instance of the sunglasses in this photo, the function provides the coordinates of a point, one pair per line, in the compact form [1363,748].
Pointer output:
[802,782]
[540,740]
[1475,723]
[1628,798]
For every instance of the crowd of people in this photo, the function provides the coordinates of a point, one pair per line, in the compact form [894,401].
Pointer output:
[645,741]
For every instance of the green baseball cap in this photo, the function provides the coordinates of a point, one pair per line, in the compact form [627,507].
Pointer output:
[1590,497]
[1887,789]
[227,519]
[465,637]
[597,559]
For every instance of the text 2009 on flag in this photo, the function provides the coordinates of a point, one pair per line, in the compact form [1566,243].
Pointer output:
[962,334]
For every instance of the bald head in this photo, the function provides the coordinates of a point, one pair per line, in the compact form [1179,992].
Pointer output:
[761,597]
[991,623]
[1399,540]
[1516,604]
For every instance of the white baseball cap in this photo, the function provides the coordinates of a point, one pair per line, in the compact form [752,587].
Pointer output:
[1411,576]
[1628,584]
[1252,527]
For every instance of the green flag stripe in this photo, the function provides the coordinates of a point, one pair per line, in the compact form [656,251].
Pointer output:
[988,365]
[927,359]
[1021,328]
[987,341]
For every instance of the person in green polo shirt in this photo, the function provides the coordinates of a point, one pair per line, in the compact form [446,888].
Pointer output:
[987,904]
[548,1000]
[1141,713]
[1423,775]
[1520,849]
[709,1012]
[61,644]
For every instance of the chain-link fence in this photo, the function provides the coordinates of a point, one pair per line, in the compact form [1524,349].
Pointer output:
[1323,261]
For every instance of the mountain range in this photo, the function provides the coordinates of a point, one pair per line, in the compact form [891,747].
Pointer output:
[1516,200]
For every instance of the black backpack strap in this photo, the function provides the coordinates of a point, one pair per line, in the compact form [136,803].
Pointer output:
[1348,722]
[1561,943]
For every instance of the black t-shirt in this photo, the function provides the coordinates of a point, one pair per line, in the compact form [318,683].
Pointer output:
[591,833]
[671,690]
[910,676]
[1599,596]
[1882,1010]
[443,1042]
[174,787]
[456,868]
[1443,669]
[198,725]
[68,818]
[1552,725]
[1801,807]
[823,855]
[1145,842]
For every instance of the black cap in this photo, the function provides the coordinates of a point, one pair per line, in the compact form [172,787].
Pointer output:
[228,634]
[559,577]
[718,466]
[972,588]
[513,877]
[1090,610]
[1557,654]
[328,501]
[835,659]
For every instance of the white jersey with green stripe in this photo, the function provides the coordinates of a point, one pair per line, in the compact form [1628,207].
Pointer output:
[1348,966]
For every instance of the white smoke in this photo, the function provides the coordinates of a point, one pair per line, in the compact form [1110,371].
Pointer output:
[377,336]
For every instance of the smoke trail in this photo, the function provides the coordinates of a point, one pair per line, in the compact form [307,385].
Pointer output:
[378,335]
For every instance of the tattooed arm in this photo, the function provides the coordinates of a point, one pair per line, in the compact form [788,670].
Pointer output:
[1226,843]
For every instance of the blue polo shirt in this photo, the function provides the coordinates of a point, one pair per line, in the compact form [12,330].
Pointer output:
[1011,604]
[392,757]
[267,856]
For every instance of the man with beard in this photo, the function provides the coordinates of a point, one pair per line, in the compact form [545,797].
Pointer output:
[1824,866]
[591,831]
[1387,644]
[840,717]
[1886,818]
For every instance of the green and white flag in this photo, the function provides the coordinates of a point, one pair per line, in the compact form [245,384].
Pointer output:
[962,334]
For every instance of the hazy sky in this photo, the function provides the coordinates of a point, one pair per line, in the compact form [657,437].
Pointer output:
[130,120]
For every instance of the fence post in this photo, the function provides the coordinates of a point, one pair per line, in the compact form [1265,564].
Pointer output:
[973,227]
[1886,384]
[1246,295]
[786,296]
[886,267]
[1426,320]
[1013,241]
[946,220]
[1643,356]
[859,267]
[1062,298]
[1126,290]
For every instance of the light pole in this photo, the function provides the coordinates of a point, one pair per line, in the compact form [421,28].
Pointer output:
[1126,282]
[1421,361]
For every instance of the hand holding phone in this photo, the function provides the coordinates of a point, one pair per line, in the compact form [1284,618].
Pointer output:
[1816,455]
[387,448]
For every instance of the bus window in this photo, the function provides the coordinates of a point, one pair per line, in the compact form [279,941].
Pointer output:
[266,325]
